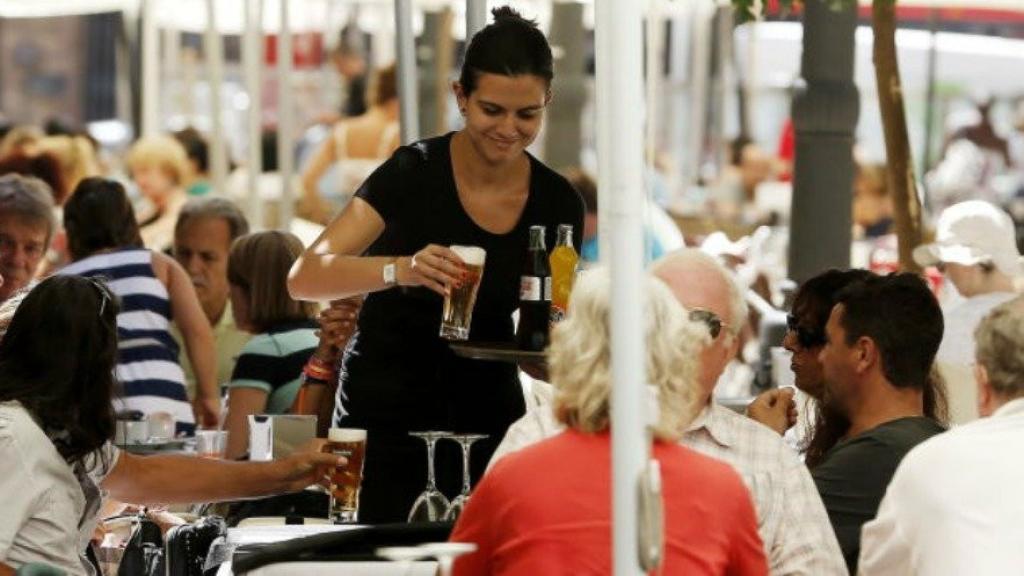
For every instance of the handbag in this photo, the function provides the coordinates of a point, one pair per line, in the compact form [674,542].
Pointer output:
[188,544]
[143,552]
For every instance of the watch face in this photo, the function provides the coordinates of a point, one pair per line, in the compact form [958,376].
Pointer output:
[389,273]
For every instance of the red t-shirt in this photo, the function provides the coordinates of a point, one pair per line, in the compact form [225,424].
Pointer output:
[547,510]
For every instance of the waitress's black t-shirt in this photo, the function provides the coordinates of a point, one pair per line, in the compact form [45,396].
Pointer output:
[398,374]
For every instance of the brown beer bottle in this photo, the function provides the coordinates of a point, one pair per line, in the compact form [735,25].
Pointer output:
[534,295]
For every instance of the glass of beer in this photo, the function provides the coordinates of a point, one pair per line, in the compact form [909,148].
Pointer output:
[458,304]
[346,480]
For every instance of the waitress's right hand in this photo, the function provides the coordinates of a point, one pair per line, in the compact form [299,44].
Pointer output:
[435,267]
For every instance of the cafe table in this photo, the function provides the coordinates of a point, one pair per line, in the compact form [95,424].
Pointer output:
[267,534]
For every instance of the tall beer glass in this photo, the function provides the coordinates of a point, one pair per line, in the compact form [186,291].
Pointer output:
[458,304]
[346,480]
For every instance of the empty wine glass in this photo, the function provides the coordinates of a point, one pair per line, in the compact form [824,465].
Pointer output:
[460,501]
[431,505]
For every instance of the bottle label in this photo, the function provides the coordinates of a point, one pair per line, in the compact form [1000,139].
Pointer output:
[547,288]
[530,289]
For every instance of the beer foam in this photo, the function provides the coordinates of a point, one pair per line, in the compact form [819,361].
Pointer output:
[472,255]
[346,435]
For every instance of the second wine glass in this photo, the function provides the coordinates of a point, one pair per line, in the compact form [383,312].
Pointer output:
[460,501]
[431,505]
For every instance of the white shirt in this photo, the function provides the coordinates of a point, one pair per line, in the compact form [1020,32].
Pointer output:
[792,521]
[45,511]
[960,321]
[955,504]
[956,353]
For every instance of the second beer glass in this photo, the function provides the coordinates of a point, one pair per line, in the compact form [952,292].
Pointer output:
[346,480]
[458,304]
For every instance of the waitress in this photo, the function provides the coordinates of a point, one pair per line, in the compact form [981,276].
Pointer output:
[477,186]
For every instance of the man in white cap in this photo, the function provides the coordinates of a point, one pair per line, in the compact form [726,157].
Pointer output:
[975,247]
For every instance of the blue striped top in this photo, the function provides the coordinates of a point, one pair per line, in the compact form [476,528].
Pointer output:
[147,365]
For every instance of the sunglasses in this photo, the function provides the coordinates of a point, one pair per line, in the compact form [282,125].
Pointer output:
[710,319]
[806,338]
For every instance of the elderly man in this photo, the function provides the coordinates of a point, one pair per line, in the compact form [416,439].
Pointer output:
[880,342]
[954,505]
[791,519]
[26,227]
[976,247]
[203,234]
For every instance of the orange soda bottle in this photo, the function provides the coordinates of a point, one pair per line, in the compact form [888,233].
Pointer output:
[563,260]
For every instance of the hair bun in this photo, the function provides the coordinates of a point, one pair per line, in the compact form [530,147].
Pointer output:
[506,13]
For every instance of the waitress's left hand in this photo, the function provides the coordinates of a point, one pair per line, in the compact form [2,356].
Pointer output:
[434,267]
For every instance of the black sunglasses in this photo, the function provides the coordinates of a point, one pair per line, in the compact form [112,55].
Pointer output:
[710,319]
[806,338]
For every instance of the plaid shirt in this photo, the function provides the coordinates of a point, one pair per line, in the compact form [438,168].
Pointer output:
[791,518]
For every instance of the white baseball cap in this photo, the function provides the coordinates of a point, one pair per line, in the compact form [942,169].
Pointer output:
[972,232]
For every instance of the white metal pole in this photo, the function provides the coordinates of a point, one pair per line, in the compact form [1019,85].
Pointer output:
[476,17]
[702,14]
[253,56]
[285,135]
[405,48]
[752,79]
[150,70]
[655,44]
[214,45]
[676,116]
[619,44]
[172,51]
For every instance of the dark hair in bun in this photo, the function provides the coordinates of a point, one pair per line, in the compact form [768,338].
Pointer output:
[510,46]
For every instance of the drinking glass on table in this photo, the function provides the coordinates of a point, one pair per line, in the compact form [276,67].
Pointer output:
[431,505]
[211,443]
[457,315]
[460,501]
[346,480]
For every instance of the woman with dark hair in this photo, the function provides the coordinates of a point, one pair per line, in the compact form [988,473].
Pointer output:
[104,241]
[56,423]
[477,186]
[804,340]
[268,372]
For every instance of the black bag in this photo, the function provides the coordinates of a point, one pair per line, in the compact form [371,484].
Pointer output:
[143,553]
[188,544]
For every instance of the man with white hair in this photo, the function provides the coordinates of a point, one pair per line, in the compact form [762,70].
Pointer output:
[954,505]
[975,246]
[792,521]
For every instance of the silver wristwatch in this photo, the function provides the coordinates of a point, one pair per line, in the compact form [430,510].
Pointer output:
[390,279]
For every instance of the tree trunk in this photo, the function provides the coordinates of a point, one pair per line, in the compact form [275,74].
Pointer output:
[902,185]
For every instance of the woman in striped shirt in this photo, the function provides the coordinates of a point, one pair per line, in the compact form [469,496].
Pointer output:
[104,241]
[268,372]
